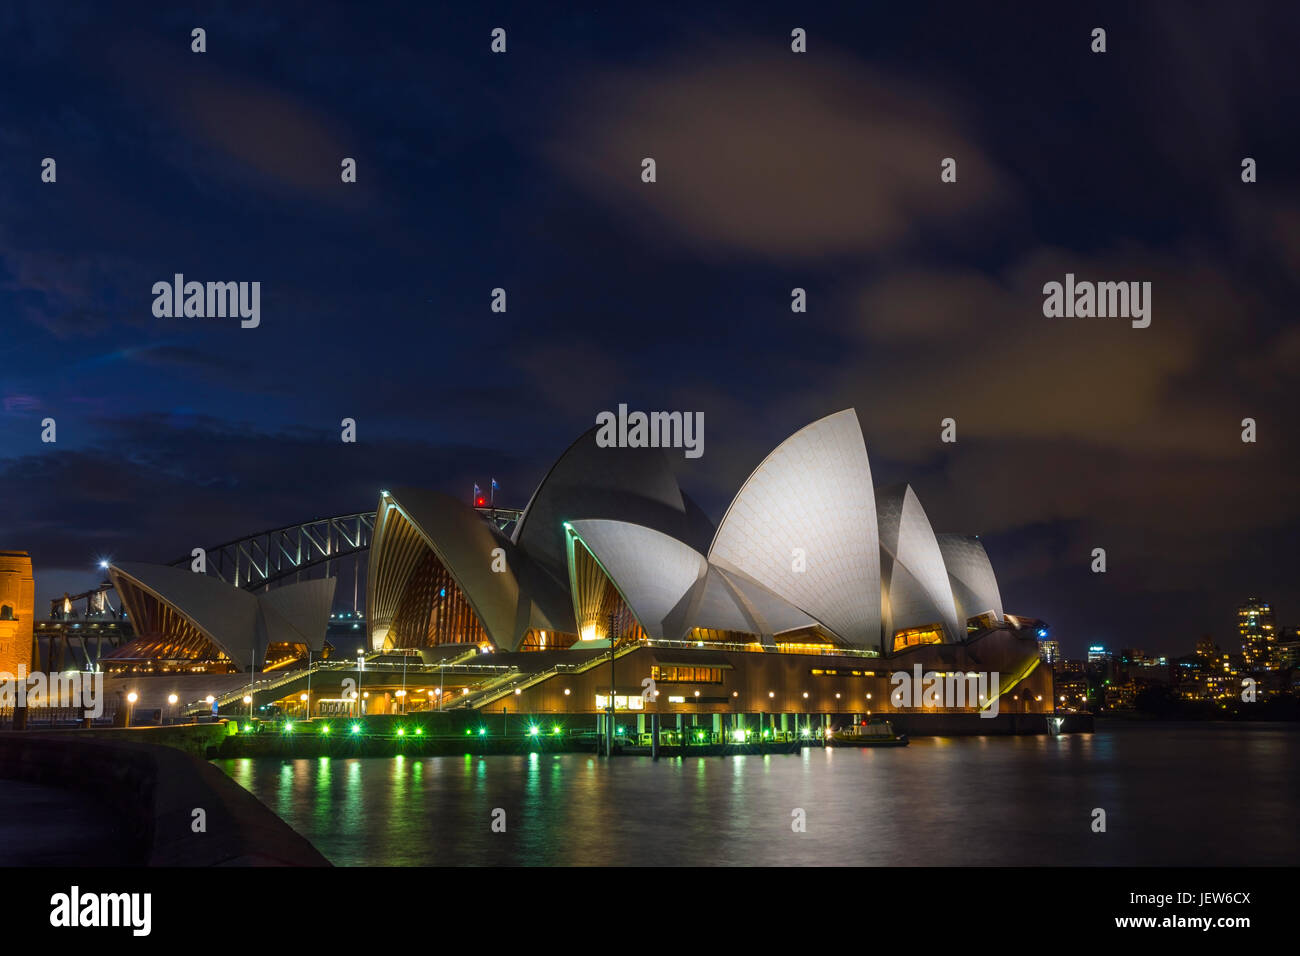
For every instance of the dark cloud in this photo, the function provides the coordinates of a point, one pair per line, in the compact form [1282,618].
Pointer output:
[776,156]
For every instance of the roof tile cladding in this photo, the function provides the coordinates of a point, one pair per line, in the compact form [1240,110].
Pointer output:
[298,613]
[813,493]
[974,585]
[913,574]
[732,602]
[717,606]
[772,613]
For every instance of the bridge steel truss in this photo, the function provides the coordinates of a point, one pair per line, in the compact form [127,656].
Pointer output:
[267,557]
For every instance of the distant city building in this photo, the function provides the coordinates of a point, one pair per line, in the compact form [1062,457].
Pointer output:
[1072,690]
[1097,654]
[1258,634]
[1288,650]
[17,610]
[1049,651]
[1121,695]
[1209,675]
[1136,665]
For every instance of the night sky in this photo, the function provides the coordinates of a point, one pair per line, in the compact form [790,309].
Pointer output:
[775,170]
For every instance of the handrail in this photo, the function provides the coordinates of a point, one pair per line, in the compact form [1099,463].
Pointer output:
[465,701]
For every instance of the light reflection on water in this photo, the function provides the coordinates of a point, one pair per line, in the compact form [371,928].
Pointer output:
[1173,794]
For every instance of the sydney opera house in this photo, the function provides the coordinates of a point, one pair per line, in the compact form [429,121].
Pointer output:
[797,603]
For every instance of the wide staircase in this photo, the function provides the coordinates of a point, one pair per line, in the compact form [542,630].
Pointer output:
[520,681]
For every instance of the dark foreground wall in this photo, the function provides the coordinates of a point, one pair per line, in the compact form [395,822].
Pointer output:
[199,740]
[155,791]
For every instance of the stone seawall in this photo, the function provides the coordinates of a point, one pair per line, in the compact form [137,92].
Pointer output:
[156,790]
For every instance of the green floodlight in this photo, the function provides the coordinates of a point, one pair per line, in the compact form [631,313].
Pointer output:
[401,731]
[532,731]
[556,730]
[288,726]
[419,731]
[467,731]
[324,728]
[248,728]
[482,731]
[356,728]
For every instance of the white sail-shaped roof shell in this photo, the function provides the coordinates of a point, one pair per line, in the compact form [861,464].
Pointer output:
[653,572]
[633,485]
[239,623]
[813,494]
[409,522]
[914,579]
[769,613]
[671,588]
[224,614]
[298,613]
[974,585]
[717,606]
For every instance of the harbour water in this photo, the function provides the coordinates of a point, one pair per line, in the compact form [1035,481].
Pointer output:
[1173,794]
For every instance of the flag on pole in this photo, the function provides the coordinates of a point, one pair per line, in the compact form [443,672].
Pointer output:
[478,496]
[495,486]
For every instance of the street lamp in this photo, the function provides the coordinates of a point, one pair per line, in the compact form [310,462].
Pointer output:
[248,699]
[171,701]
[361,667]
[305,698]
[131,698]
